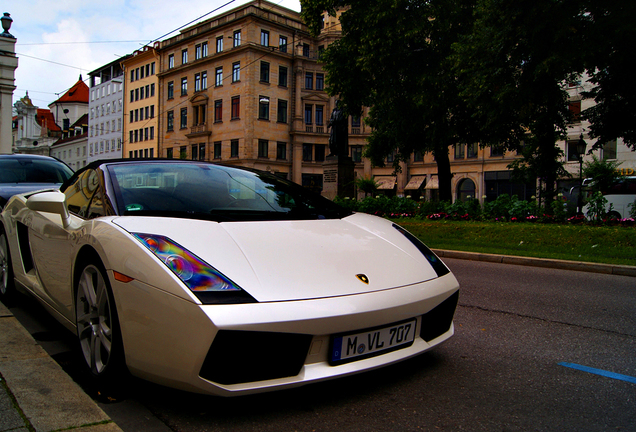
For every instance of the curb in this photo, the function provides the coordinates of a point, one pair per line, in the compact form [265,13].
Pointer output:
[45,395]
[620,270]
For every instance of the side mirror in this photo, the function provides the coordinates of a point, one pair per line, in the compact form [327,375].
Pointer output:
[50,202]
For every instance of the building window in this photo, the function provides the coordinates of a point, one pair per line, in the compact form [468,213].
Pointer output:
[308,113]
[218,80]
[217,150]
[184,86]
[282,44]
[183,152]
[236,107]
[263,108]
[201,50]
[282,111]
[497,150]
[265,38]
[320,81]
[152,132]
[575,111]
[184,118]
[356,153]
[306,50]
[609,150]
[184,56]
[170,120]
[282,76]
[204,80]
[281,151]
[319,153]
[236,72]
[169,153]
[471,150]
[319,115]
[236,38]
[234,148]
[573,155]
[308,152]
[264,72]
[197,82]
[171,90]
[459,151]
[218,111]
[219,44]
[309,81]
[263,148]
[170,61]
[199,114]
[355,121]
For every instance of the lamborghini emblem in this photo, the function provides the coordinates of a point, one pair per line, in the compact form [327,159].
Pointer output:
[363,278]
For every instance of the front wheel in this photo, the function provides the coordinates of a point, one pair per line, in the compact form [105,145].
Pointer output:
[6,270]
[97,324]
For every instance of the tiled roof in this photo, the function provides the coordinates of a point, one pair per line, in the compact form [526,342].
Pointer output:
[78,93]
[45,118]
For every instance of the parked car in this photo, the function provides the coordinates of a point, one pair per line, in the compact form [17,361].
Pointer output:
[21,173]
[222,280]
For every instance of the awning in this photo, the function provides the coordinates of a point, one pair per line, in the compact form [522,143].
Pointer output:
[385,182]
[415,182]
[433,184]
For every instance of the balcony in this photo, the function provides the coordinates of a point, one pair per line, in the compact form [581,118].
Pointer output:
[199,130]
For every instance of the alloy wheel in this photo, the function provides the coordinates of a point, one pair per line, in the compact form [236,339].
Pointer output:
[94,319]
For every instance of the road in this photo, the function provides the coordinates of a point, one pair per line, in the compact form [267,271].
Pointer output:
[513,365]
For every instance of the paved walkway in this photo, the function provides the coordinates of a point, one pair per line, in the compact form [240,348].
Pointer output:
[37,395]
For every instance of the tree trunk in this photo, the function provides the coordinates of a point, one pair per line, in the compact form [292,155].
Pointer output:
[443,173]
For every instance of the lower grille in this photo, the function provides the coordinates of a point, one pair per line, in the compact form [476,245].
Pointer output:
[246,356]
[438,320]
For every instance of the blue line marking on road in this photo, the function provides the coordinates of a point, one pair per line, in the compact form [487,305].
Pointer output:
[601,372]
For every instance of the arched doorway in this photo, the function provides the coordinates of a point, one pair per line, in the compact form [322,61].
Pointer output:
[466,190]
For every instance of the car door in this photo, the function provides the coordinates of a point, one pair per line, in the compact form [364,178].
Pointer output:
[54,247]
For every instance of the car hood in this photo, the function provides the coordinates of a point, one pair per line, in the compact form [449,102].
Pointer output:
[294,260]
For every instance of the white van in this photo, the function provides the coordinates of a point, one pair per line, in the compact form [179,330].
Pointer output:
[620,196]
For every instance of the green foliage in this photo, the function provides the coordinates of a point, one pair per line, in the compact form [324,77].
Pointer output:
[367,185]
[632,210]
[603,172]
[596,209]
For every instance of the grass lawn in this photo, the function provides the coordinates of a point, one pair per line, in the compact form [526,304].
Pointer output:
[600,244]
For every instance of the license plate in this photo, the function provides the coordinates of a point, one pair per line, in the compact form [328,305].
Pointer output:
[369,343]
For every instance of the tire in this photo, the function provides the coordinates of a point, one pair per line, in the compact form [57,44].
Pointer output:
[98,329]
[7,287]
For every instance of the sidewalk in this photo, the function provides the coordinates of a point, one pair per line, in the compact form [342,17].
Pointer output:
[35,393]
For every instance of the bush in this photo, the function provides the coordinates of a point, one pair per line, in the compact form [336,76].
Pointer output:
[597,203]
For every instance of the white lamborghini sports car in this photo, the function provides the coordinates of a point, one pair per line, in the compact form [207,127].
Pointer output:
[222,280]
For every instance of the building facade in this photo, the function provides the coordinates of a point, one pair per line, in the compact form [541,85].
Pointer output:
[71,146]
[246,88]
[35,128]
[141,104]
[106,109]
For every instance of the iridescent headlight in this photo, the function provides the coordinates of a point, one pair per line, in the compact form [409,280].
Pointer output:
[204,280]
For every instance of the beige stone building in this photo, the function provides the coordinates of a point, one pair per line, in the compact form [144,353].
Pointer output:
[141,104]
[245,88]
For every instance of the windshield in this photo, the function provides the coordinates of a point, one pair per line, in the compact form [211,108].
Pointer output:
[207,191]
[25,170]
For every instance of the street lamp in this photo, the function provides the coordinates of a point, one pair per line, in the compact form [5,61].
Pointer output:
[580,149]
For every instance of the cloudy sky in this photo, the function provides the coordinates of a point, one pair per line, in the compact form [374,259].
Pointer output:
[61,39]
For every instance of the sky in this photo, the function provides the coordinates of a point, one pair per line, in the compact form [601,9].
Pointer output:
[61,39]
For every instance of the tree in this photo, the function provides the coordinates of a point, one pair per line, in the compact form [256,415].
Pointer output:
[513,67]
[611,63]
[604,173]
[394,56]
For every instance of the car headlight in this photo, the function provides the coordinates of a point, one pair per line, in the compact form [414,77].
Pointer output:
[437,264]
[207,283]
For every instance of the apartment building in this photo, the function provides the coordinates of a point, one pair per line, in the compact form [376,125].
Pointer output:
[141,104]
[71,146]
[106,112]
[246,88]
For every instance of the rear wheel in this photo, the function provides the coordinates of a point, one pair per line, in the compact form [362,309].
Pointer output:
[98,325]
[6,270]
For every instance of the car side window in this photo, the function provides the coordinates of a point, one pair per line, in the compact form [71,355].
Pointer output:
[80,193]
